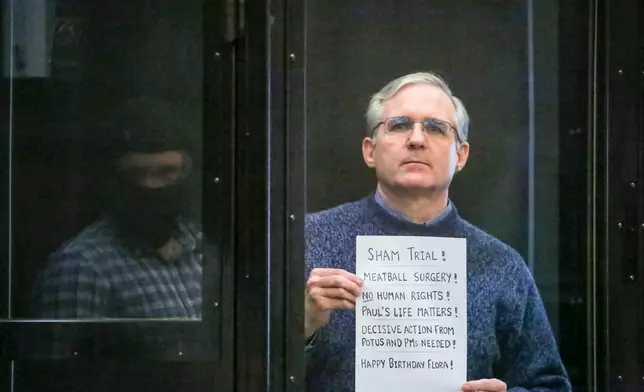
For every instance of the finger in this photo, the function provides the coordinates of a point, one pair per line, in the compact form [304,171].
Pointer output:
[336,271]
[491,385]
[335,293]
[468,389]
[333,304]
[334,281]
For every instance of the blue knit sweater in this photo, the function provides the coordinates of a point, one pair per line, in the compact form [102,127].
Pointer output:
[509,336]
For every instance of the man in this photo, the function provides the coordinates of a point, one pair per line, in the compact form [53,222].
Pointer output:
[143,258]
[416,142]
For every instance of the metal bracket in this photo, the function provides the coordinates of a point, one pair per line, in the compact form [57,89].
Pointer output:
[630,231]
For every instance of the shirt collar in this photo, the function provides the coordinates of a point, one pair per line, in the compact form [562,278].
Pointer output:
[381,201]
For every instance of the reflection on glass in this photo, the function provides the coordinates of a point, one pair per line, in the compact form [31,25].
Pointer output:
[142,257]
[105,159]
[101,193]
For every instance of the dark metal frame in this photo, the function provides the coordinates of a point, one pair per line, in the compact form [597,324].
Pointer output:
[5,90]
[5,99]
[270,187]
[576,27]
[618,215]
[608,235]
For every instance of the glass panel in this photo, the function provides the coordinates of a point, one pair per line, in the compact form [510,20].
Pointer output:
[105,169]
[522,77]
[106,266]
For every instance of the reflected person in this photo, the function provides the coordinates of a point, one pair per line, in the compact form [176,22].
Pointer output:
[416,142]
[142,258]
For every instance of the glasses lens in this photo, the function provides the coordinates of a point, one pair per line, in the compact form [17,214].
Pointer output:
[399,124]
[436,126]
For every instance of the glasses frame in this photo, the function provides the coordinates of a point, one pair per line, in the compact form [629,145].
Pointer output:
[458,136]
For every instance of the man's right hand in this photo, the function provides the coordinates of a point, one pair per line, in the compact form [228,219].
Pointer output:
[326,290]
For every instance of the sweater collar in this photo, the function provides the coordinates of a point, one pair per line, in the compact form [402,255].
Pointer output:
[394,224]
[399,215]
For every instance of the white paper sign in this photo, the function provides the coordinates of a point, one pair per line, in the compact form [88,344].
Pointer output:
[411,319]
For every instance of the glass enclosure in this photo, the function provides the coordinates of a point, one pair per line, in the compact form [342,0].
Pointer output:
[159,157]
[107,102]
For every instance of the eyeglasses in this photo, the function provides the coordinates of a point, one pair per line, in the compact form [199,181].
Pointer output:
[402,125]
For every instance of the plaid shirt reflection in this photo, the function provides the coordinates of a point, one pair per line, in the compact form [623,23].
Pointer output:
[94,276]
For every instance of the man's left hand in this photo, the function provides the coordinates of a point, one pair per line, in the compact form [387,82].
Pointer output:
[485,385]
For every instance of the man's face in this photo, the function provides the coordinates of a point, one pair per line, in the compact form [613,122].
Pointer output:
[416,161]
[154,170]
[151,196]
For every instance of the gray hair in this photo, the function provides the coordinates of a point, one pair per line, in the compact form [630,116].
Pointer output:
[374,112]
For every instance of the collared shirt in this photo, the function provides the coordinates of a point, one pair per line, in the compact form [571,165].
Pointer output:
[96,276]
[381,201]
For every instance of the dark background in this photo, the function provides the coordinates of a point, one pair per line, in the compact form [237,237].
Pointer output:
[355,48]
